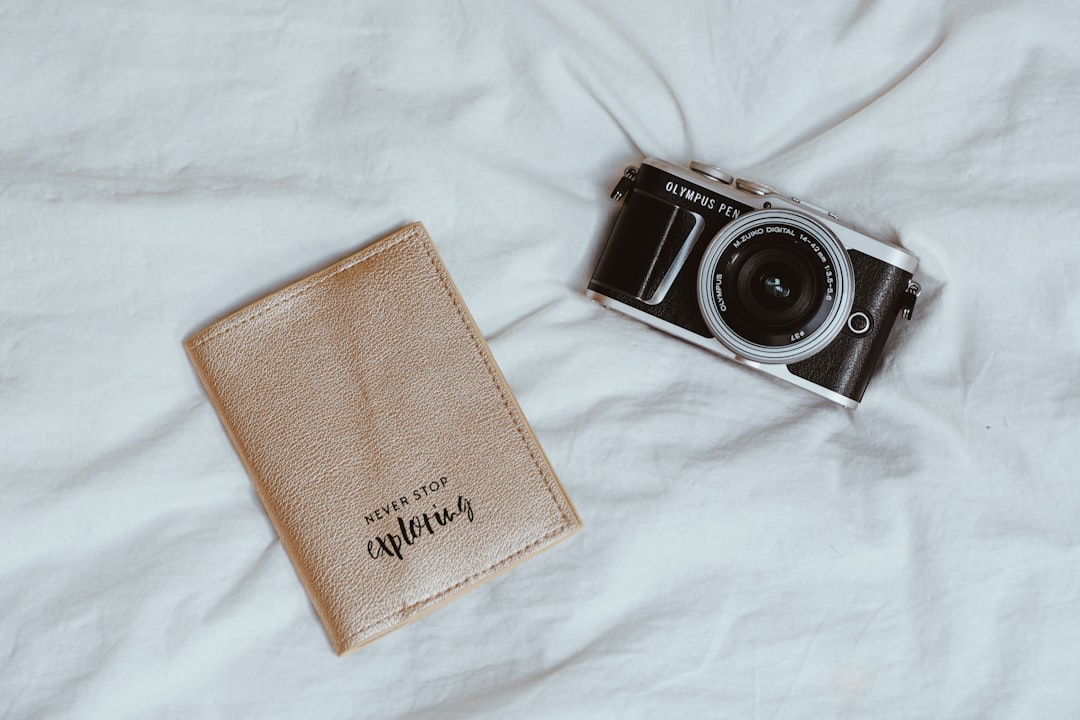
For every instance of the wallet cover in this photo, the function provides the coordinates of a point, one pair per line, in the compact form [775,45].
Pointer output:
[383,441]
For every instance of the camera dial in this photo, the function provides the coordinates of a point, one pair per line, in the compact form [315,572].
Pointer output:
[775,286]
[711,171]
[755,188]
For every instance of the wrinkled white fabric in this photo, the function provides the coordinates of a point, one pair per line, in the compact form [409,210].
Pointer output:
[749,551]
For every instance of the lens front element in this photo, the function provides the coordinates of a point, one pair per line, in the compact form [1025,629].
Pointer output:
[775,286]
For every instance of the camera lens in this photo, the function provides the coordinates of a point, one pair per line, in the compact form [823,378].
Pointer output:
[773,286]
[777,287]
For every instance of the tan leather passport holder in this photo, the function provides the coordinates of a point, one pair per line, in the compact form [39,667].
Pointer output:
[383,441]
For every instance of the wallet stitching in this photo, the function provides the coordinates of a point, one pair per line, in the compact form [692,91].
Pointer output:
[227,326]
[414,233]
[409,234]
[407,610]
[477,343]
[480,573]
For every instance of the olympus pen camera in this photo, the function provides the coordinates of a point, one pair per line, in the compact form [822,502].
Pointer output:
[767,280]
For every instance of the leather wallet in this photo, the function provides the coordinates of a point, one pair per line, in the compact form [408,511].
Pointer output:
[383,441]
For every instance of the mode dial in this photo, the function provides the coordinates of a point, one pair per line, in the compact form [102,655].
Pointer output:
[711,171]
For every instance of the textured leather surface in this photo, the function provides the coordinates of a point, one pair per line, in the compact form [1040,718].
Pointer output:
[382,438]
[847,363]
[651,232]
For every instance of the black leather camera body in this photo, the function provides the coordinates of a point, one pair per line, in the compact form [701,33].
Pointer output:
[765,279]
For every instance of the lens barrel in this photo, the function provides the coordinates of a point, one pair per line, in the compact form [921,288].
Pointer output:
[775,286]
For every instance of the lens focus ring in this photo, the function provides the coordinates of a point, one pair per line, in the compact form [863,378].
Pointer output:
[775,286]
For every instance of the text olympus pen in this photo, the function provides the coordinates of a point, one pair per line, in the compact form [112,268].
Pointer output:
[416,528]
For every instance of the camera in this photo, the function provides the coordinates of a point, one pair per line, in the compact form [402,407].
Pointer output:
[768,280]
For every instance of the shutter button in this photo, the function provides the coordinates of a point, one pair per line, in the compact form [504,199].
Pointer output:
[752,187]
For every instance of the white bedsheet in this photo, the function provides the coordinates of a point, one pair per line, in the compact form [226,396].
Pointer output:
[750,551]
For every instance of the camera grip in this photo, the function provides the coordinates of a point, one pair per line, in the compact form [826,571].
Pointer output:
[845,366]
[647,247]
